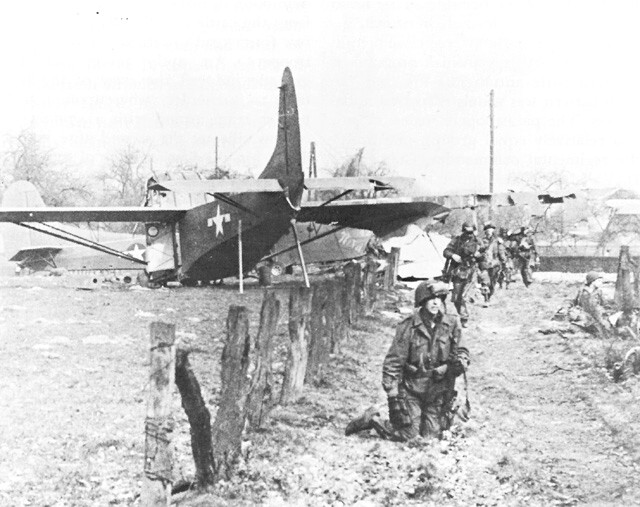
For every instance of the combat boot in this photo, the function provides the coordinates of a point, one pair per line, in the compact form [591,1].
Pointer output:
[364,422]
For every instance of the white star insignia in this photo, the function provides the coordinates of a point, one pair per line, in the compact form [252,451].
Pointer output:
[218,220]
[136,251]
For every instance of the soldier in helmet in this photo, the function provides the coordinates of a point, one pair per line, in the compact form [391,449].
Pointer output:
[419,371]
[506,270]
[588,306]
[493,258]
[463,253]
[524,252]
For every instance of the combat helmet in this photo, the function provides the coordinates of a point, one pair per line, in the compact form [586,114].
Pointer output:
[592,276]
[468,226]
[430,289]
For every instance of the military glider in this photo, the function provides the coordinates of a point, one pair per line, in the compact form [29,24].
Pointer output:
[233,224]
[47,247]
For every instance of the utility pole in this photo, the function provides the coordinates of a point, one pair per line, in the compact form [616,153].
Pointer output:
[216,154]
[491,211]
[313,170]
[491,142]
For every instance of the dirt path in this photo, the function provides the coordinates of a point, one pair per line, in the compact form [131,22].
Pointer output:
[548,426]
[541,431]
[539,404]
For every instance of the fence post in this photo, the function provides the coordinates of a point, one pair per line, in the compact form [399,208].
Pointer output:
[369,286]
[261,389]
[352,276]
[158,452]
[199,419]
[624,294]
[391,273]
[340,314]
[299,309]
[230,418]
[319,332]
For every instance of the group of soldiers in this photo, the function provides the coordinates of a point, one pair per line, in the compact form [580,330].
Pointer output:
[489,259]
[428,351]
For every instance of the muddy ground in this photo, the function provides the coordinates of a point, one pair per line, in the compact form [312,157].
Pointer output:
[548,426]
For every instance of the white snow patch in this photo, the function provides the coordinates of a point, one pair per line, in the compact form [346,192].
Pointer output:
[144,315]
[99,339]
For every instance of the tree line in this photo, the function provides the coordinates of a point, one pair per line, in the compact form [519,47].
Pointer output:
[123,182]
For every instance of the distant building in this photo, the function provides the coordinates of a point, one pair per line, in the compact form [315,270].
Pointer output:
[589,231]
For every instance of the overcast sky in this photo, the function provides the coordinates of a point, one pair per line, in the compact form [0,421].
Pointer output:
[408,81]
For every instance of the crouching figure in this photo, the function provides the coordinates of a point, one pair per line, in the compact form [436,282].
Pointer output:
[588,310]
[419,371]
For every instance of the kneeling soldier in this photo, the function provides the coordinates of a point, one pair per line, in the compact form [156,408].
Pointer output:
[419,371]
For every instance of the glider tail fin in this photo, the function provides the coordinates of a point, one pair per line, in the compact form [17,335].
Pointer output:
[286,162]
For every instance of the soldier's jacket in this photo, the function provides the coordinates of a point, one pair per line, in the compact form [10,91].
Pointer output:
[416,350]
[494,253]
[590,299]
[524,246]
[467,246]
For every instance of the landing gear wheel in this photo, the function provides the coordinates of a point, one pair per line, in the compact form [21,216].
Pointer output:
[277,269]
[143,280]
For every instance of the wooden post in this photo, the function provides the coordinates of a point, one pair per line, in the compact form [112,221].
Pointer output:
[261,389]
[319,332]
[369,286]
[158,452]
[240,267]
[199,419]
[340,314]
[303,264]
[636,280]
[624,293]
[299,309]
[229,423]
[391,273]
[352,275]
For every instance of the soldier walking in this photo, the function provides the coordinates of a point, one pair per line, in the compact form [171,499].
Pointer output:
[524,251]
[463,253]
[493,258]
[419,371]
[506,271]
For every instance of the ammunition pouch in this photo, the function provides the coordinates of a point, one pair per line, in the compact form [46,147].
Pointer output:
[462,273]
[399,412]
[413,372]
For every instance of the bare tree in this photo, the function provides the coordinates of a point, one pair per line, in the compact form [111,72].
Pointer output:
[354,167]
[27,159]
[124,182]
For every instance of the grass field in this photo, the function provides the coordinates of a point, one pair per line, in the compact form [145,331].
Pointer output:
[548,425]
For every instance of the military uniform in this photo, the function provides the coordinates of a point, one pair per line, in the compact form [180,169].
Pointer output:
[463,275]
[419,371]
[416,365]
[493,259]
[590,302]
[524,251]
[506,270]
